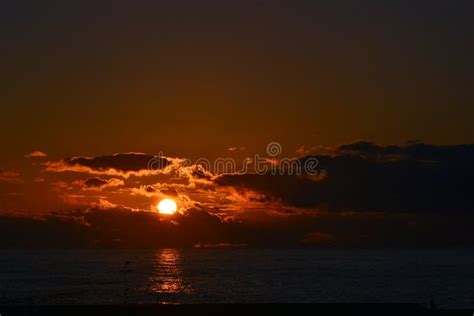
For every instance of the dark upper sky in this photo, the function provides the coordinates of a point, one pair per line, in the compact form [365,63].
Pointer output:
[196,77]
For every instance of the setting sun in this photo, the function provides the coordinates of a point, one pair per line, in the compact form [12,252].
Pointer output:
[167,206]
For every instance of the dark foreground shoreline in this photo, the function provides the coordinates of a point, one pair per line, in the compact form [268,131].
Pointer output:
[229,309]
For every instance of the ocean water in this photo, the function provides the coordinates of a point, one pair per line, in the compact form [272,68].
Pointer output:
[239,276]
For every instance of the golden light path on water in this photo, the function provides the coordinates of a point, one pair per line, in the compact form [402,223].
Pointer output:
[167,273]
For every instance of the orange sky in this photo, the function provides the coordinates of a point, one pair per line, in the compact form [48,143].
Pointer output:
[90,93]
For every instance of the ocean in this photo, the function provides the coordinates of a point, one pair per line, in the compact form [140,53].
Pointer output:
[175,276]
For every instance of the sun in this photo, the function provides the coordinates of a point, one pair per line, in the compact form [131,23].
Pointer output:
[167,206]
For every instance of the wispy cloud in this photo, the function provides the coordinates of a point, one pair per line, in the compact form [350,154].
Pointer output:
[35,154]
[12,176]
[235,148]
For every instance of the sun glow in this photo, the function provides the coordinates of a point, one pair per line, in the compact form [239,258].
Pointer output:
[167,206]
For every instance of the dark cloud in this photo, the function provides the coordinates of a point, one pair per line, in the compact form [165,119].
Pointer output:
[122,164]
[123,228]
[51,231]
[423,178]
[114,227]
[150,189]
[100,183]
[413,150]
[95,182]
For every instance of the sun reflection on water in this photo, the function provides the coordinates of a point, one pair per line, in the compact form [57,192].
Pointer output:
[167,275]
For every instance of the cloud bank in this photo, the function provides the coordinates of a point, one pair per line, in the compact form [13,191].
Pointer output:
[371,195]
[367,177]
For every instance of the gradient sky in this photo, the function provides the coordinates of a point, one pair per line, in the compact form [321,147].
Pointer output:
[194,78]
